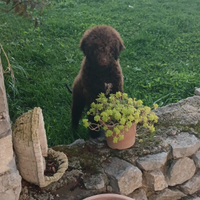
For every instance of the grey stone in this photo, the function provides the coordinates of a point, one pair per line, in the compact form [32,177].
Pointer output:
[79,142]
[75,163]
[197,91]
[109,188]
[171,131]
[95,182]
[8,194]
[193,185]
[167,194]
[10,180]
[155,180]
[5,126]
[10,183]
[183,144]
[152,162]
[180,171]
[3,99]
[3,115]
[124,177]
[195,198]
[196,158]
[139,194]
[185,112]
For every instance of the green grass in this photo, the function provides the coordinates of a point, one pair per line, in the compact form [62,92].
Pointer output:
[160,63]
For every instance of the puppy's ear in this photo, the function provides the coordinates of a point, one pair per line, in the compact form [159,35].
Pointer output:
[119,47]
[83,45]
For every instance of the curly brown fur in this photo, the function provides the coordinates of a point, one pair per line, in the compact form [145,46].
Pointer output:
[100,69]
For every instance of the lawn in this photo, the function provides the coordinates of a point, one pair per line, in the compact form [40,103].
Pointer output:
[161,62]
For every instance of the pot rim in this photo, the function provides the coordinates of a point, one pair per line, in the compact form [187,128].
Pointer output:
[109,195]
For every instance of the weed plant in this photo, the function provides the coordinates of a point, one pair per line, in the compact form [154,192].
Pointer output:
[160,63]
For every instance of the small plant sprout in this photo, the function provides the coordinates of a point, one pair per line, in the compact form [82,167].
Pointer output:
[116,114]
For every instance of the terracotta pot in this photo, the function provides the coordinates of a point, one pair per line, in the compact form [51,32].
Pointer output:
[108,197]
[128,141]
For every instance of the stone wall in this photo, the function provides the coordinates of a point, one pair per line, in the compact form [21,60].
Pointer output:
[163,167]
[10,180]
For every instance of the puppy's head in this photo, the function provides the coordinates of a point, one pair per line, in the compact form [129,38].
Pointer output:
[101,45]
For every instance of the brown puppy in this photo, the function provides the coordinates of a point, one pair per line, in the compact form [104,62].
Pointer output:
[100,69]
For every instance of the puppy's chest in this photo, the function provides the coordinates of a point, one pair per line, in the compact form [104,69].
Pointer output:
[97,81]
[99,84]
[100,76]
[108,88]
[100,87]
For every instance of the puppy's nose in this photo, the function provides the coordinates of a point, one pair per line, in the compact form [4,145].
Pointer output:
[103,59]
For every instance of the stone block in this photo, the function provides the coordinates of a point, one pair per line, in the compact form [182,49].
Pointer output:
[6,153]
[193,185]
[167,194]
[124,177]
[5,126]
[196,158]
[10,180]
[183,144]
[77,143]
[8,195]
[10,183]
[152,162]
[185,112]
[139,194]
[155,180]
[94,182]
[3,99]
[180,171]
[197,91]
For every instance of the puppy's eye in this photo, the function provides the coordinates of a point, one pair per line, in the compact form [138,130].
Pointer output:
[100,49]
[107,49]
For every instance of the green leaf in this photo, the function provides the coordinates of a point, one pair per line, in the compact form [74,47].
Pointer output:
[122,121]
[117,131]
[129,124]
[97,118]
[115,140]
[108,133]
[105,128]
[118,94]
[117,115]
[121,137]
[85,123]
